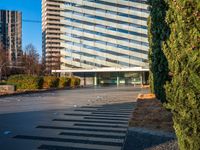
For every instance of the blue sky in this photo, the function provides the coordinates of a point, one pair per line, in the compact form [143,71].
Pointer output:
[31,10]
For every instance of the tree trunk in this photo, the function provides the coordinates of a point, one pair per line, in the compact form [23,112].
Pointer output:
[0,73]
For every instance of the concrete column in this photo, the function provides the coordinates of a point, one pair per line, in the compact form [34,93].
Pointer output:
[95,79]
[141,78]
[118,79]
[84,80]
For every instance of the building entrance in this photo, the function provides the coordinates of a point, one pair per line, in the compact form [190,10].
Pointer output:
[113,78]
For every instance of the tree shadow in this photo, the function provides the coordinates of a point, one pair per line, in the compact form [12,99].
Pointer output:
[140,141]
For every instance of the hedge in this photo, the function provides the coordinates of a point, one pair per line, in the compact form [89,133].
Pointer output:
[25,82]
[50,82]
[2,83]
[64,82]
[75,82]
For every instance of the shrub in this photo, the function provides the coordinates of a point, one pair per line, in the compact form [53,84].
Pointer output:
[50,82]
[182,50]
[2,83]
[75,82]
[64,82]
[25,82]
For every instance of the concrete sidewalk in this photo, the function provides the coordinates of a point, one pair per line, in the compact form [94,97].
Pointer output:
[63,99]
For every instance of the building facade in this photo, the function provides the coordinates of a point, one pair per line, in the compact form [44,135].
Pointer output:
[51,33]
[11,35]
[94,34]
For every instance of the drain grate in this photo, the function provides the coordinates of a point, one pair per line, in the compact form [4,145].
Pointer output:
[87,141]
[98,115]
[115,109]
[94,107]
[53,147]
[106,118]
[97,125]
[107,113]
[84,129]
[91,121]
[93,135]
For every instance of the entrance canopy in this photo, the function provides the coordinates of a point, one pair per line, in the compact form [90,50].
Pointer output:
[108,69]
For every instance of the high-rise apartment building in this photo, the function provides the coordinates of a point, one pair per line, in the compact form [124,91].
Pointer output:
[51,32]
[11,35]
[88,35]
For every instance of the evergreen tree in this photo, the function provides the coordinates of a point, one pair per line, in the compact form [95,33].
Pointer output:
[158,32]
[182,50]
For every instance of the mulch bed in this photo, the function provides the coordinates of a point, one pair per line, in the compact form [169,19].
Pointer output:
[151,114]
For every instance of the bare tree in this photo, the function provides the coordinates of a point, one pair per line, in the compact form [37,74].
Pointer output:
[31,60]
[4,62]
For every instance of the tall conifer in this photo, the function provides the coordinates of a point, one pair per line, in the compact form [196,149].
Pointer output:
[182,50]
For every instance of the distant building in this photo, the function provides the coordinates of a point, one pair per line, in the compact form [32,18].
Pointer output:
[105,41]
[11,35]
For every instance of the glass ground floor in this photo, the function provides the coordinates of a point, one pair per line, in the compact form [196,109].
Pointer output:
[113,78]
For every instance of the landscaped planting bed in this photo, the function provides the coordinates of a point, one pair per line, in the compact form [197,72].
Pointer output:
[151,114]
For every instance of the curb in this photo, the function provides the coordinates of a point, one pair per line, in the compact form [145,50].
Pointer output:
[35,92]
